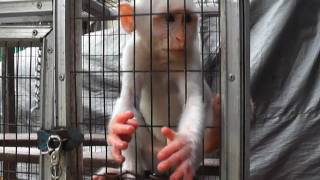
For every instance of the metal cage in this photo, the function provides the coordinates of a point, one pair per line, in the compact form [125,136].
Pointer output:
[60,67]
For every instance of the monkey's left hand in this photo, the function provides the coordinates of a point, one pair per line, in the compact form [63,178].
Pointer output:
[177,153]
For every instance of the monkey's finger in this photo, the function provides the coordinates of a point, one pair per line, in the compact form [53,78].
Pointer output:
[126,138]
[117,142]
[217,99]
[169,133]
[175,159]
[169,149]
[123,129]
[181,172]
[216,115]
[133,122]
[188,175]
[117,155]
[123,117]
[217,107]
[98,178]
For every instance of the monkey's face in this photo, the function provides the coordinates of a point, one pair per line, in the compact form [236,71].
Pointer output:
[174,34]
[170,32]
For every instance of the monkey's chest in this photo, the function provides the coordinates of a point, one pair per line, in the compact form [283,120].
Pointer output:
[160,105]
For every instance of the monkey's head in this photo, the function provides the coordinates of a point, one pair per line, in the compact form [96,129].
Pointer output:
[170,26]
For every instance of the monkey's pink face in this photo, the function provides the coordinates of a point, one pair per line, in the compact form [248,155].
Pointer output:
[174,34]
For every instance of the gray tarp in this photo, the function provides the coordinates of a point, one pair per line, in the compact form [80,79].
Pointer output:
[285,85]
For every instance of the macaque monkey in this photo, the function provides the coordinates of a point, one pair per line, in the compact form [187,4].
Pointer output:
[159,119]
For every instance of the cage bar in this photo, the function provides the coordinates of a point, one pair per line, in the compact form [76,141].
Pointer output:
[8,97]
[235,89]
[47,100]
[67,43]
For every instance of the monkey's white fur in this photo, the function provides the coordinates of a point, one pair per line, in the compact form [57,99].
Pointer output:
[189,114]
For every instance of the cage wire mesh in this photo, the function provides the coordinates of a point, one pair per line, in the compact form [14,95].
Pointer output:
[102,48]
[19,110]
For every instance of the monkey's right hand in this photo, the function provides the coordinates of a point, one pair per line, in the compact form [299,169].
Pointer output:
[120,131]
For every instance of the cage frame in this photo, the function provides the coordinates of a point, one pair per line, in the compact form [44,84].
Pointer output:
[57,46]
[235,92]
[22,11]
[15,14]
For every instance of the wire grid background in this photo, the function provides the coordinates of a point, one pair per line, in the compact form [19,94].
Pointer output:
[25,87]
[101,57]
[102,47]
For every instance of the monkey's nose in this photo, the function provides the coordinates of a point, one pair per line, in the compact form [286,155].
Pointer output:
[180,39]
[179,43]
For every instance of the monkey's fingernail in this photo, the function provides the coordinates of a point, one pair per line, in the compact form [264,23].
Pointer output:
[136,121]
[130,129]
[121,145]
[159,168]
[162,167]
[160,156]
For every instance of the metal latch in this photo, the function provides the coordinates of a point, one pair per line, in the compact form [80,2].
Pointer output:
[54,141]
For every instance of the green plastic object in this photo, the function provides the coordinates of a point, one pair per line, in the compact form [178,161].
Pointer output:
[1,54]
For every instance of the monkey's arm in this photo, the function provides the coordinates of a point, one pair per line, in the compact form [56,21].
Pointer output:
[212,135]
[183,151]
[124,118]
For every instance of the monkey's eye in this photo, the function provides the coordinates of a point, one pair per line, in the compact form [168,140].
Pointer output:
[170,17]
[188,18]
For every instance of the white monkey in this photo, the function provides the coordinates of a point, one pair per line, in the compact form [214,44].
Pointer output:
[143,106]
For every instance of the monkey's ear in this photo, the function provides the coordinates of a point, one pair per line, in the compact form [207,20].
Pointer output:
[126,17]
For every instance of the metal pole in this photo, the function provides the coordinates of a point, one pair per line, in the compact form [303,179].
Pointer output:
[47,113]
[248,107]
[68,33]
[235,89]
